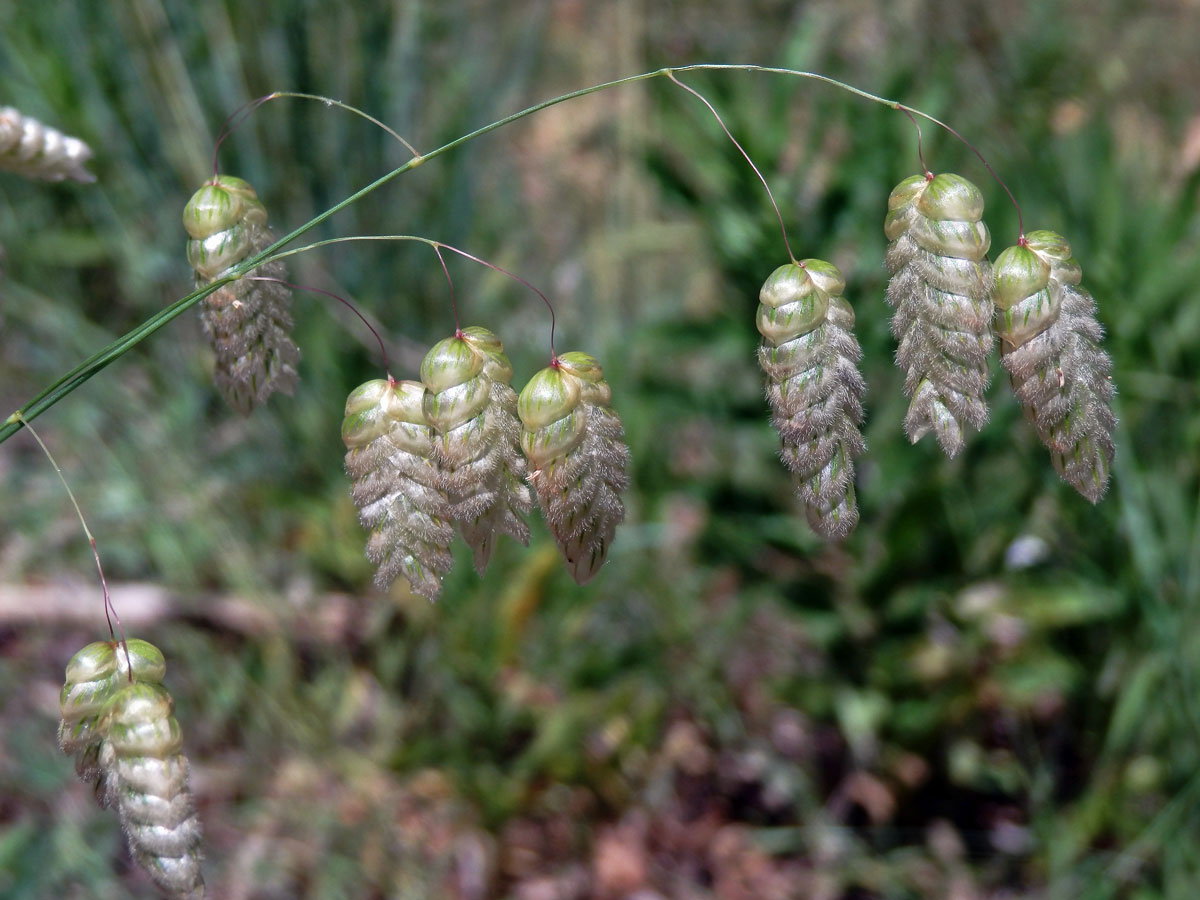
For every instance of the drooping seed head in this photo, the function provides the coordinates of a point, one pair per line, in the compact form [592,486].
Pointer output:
[1051,348]
[472,408]
[941,291]
[575,445]
[810,357]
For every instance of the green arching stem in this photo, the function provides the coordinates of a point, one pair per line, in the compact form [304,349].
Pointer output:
[329,101]
[93,364]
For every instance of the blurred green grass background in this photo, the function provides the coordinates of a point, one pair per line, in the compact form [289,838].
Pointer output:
[989,691]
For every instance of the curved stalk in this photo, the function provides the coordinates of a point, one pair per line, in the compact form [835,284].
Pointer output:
[93,364]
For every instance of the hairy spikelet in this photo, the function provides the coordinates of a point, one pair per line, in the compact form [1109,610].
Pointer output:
[473,411]
[29,148]
[810,356]
[116,720]
[576,449]
[1050,345]
[249,321]
[147,778]
[941,292]
[396,484]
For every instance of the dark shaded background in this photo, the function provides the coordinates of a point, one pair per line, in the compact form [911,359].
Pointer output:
[988,691]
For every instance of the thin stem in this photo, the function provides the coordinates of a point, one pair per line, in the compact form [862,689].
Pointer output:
[232,121]
[920,149]
[450,281]
[1000,181]
[340,299]
[516,278]
[742,150]
[329,101]
[110,611]
[93,364]
[435,245]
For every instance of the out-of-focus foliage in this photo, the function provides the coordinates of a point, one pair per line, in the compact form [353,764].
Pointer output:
[988,691]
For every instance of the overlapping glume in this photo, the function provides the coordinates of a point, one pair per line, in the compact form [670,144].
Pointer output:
[116,720]
[578,459]
[941,292]
[810,356]
[397,484]
[29,148]
[473,411]
[93,675]
[248,321]
[1050,345]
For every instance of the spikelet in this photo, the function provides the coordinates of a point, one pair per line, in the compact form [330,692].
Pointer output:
[147,778]
[473,412]
[94,674]
[29,148]
[116,719]
[396,484]
[576,449]
[810,356]
[941,291]
[1050,345]
[248,322]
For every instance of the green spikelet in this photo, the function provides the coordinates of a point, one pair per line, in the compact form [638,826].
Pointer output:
[29,148]
[93,675]
[473,411]
[576,449]
[810,356]
[248,322]
[396,484]
[941,292]
[116,719]
[1050,345]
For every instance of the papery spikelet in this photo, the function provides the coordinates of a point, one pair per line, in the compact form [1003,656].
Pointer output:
[1050,345]
[116,719]
[941,291]
[248,321]
[810,356]
[29,148]
[93,675]
[147,778]
[576,449]
[473,411]
[397,484]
